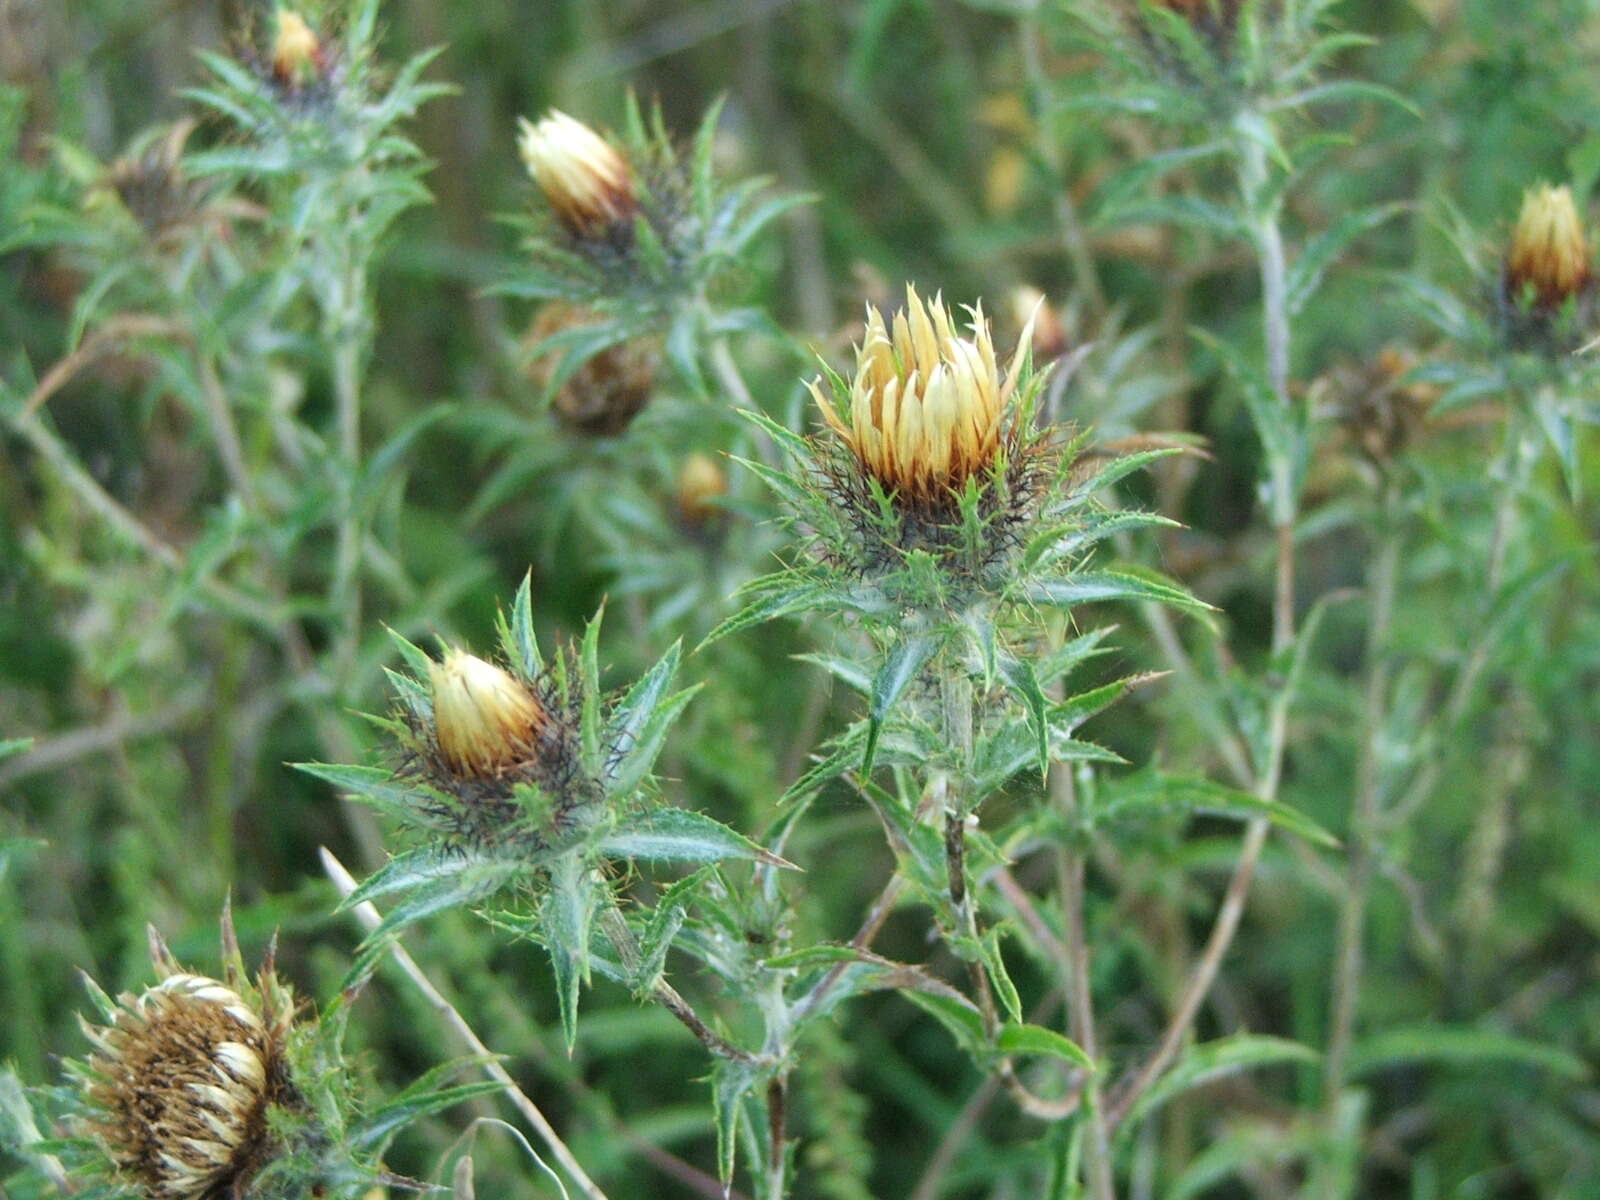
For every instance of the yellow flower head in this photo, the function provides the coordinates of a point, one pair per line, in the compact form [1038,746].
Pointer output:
[585,179]
[484,720]
[927,407]
[295,51]
[1548,249]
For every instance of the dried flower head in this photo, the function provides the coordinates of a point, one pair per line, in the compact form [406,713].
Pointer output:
[296,52]
[610,388]
[701,483]
[1382,411]
[182,1079]
[585,179]
[152,185]
[1549,254]
[485,720]
[926,407]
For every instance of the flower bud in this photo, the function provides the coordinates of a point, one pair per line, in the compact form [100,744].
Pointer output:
[585,179]
[1549,255]
[602,396]
[182,1079]
[484,720]
[926,406]
[296,54]
[701,483]
[1050,338]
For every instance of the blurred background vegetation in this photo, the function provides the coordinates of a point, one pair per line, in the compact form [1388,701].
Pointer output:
[162,713]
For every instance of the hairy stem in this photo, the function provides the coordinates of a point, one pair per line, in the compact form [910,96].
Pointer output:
[663,993]
[1276,331]
[349,339]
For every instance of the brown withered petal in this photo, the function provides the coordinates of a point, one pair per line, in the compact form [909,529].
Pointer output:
[611,388]
[183,1077]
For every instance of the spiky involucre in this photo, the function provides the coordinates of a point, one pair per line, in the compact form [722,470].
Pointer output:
[927,407]
[182,1079]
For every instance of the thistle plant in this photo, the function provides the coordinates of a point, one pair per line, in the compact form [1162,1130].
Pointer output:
[922,875]
[638,240]
[527,780]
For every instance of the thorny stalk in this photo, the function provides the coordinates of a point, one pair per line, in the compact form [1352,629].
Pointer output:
[663,993]
[1253,178]
[349,337]
[1511,476]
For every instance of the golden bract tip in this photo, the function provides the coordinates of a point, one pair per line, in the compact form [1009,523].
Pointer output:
[182,1078]
[701,483]
[927,406]
[484,719]
[296,53]
[585,179]
[1549,251]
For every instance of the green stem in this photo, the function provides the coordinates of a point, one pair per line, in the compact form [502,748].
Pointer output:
[1366,807]
[1272,264]
[1070,871]
[349,337]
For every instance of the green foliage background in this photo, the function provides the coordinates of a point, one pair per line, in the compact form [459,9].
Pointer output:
[162,722]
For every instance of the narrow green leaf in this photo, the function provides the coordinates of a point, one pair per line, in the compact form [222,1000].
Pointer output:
[1151,791]
[682,835]
[374,786]
[1210,1061]
[1086,587]
[1017,1038]
[1023,683]
[1457,1046]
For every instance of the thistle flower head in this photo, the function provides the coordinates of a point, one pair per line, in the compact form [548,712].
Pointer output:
[585,179]
[182,1077]
[927,407]
[151,183]
[485,720]
[701,483]
[296,53]
[610,388]
[1549,253]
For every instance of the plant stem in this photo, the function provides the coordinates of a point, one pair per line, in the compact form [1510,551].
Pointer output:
[1367,805]
[370,919]
[1276,332]
[663,993]
[1511,475]
[1080,999]
[349,339]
